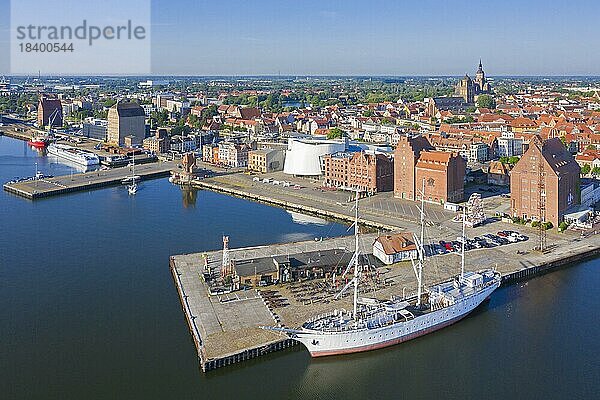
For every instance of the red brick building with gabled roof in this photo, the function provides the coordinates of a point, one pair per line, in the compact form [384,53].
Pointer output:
[561,181]
[416,162]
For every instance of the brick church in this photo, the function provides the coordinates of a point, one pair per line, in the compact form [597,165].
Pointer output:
[468,88]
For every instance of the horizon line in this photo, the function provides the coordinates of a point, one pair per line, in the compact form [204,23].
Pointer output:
[36,75]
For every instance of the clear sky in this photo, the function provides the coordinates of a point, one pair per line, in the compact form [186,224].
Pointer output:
[376,37]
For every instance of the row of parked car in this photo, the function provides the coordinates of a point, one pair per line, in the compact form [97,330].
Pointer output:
[487,240]
[276,182]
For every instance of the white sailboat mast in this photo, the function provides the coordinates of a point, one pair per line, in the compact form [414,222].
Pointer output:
[356,253]
[464,239]
[421,249]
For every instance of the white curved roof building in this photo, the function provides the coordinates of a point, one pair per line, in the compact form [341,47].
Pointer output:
[303,156]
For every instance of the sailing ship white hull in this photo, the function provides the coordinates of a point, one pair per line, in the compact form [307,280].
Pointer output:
[374,323]
[321,343]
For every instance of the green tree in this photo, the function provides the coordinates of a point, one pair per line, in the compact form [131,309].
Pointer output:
[100,114]
[596,171]
[208,113]
[486,101]
[194,121]
[586,169]
[368,113]
[335,133]
[108,103]
[161,118]
[513,160]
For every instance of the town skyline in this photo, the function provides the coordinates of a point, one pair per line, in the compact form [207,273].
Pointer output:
[408,190]
[351,39]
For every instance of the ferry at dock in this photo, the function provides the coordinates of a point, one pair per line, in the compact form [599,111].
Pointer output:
[70,153]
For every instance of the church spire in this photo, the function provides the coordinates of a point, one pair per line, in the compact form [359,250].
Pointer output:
[480,69]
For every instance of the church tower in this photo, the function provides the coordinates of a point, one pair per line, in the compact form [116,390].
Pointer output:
[480,82]
[466,89]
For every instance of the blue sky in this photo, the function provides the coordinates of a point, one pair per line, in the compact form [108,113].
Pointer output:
[376,37]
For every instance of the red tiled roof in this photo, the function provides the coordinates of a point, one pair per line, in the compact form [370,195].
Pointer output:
[396,243]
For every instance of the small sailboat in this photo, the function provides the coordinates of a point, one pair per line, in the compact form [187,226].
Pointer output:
[132,187]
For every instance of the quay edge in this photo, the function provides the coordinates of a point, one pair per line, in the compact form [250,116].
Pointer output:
[291,206]
[259,349]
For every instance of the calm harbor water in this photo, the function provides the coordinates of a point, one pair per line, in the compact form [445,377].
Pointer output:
[89,310]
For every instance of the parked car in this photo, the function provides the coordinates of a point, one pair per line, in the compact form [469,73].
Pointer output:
[484,243]
[493,239]
[476,244]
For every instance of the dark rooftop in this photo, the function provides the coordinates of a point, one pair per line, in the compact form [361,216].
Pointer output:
[129,109]
[312,259]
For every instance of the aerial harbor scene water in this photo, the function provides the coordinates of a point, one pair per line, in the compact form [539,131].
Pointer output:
[212,212]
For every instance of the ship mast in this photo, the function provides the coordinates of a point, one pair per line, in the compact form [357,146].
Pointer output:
[356,253]
[353,264]
[419,268]
[462,253]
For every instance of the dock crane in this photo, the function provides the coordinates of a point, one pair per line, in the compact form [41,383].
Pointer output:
[53,117]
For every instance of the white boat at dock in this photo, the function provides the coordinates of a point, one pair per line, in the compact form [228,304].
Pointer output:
[374,324]
[74,154]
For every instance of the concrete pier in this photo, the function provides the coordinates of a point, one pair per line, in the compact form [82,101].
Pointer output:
[225,328]
[46,187]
